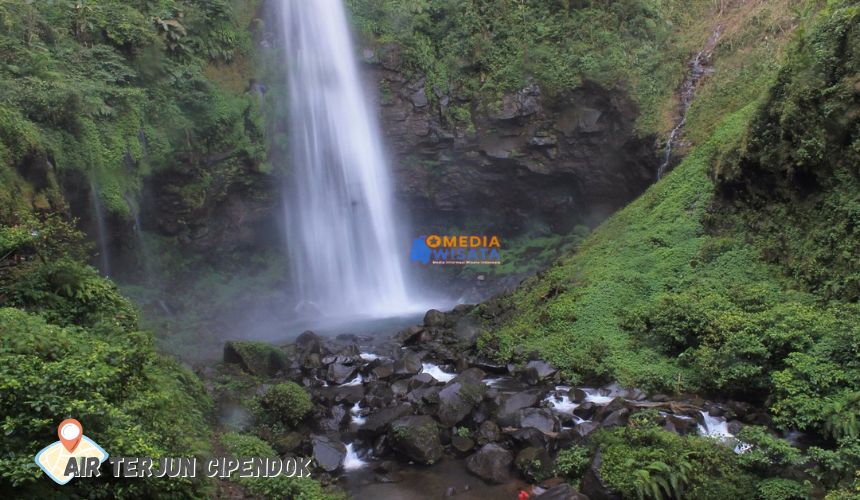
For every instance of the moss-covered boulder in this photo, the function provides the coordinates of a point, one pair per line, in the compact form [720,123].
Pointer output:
[417,438]
[256,358]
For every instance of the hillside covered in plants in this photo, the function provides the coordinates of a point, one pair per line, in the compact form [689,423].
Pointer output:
[188,188]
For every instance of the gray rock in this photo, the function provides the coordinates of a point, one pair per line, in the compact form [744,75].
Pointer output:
[535,463]
[488,432]
[417,438]
[466,330]
[537,372]
[580,431]
[408,364]
[538,418]
[511,405]
[435,318]
[461,443]
[338,373]
[308,342]
[491,463]
[256,358]
[328,453]
[562,492]
[377,422]
[458,398]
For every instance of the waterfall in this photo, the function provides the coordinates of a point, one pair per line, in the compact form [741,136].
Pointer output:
[101,229]
[343,244]
[143,251]
[699,67]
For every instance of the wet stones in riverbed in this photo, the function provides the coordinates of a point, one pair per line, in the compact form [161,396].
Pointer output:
[460,396]
[535,463]
[328,453]
[511,405]
[378,421]
[491,463]
[408,364]
[539,372]
[417,438]
[538,418]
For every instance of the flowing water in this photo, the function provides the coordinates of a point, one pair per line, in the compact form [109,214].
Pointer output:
[699,67]
[101,229]
[344,245]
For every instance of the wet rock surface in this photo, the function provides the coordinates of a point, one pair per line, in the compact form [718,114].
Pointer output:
[579,150]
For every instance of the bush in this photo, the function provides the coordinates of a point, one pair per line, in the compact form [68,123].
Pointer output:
[129,400]
[648,462]
[572,462]
[782,489]
[286,403]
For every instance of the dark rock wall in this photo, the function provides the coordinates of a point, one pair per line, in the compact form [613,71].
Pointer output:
[527,158]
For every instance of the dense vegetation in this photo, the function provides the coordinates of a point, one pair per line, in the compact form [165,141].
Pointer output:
[105,94]
[481,49]
[742,288]
[736,276]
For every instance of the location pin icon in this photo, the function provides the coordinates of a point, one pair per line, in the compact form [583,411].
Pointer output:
[70,432]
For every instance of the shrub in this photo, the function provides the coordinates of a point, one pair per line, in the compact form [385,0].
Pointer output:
[782,489]
[285,403]
[648,462]
[572,462]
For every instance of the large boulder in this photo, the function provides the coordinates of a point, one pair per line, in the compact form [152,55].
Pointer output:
[256,358]
[408,364]
[535,463]
[377,422]
[435,318]
[417,438]
[538,418]
[537,372]
[328,453]
[458,398]
[338,373]
[491,463]
[511,405]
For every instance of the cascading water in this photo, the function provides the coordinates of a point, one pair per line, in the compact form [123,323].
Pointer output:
[699,68]
[345,252]
[101,229]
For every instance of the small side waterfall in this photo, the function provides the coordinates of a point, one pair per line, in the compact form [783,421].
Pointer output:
[699,67]
[101,229]
[347,256]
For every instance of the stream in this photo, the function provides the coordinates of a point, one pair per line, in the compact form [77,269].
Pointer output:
[370,378]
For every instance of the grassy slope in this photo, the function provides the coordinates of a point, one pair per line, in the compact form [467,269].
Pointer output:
[602,312]
[571,312]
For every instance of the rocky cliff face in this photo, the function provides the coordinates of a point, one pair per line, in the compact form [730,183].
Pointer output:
[528,158]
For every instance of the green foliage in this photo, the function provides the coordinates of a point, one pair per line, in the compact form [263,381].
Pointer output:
[114,90]
[275,488]
[782,489]
[483,48]
[766,453]
[572,462]
[286,403]
[66,292]
[647,462]
[796,180]
[130,400]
